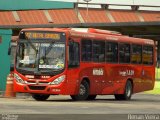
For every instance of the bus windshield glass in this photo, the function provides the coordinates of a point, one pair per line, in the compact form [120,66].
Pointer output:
[38,56]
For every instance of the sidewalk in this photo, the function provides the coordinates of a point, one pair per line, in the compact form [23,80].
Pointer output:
[18,95]
[1,94]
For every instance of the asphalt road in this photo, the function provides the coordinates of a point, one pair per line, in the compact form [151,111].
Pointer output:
[102,107]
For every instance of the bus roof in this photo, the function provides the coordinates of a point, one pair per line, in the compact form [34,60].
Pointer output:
[98,34]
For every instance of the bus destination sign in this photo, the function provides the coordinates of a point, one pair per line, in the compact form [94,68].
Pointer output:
[42,35]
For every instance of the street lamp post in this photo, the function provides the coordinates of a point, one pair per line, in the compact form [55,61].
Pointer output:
[87,1]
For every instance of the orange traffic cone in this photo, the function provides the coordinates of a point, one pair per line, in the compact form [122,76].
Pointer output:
[9,93]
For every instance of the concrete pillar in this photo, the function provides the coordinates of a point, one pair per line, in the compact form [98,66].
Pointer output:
[5,38]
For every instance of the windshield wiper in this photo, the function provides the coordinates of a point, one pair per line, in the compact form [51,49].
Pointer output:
[49,48]
[34,48]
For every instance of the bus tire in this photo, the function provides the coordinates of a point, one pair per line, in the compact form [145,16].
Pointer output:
[127,94]
[83,92]
[40,97]
[91,97]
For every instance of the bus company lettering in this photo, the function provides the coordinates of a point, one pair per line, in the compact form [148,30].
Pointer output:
[98,71]
[126,73]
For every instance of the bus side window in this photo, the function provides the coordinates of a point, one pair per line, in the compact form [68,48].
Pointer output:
[147,55]
[98,51]
[136,57]
[73,55]
[111,52]
[86,48]
[124,53]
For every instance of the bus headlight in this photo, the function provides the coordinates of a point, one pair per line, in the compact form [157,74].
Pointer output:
[18,79]
[58,80]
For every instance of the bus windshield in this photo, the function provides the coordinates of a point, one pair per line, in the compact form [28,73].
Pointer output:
[40,57]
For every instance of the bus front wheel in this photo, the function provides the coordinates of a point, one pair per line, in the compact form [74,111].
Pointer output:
[40,97]
[127,94]
[83,91]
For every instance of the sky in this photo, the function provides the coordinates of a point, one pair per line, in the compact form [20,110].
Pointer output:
[123,2]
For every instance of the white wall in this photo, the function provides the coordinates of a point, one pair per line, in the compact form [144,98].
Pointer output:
[122,2]
[127,2]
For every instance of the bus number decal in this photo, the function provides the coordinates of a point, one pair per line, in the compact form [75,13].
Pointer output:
[126,73]
[99,71]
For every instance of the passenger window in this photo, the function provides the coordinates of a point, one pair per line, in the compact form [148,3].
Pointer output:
[148,55]
[136,57]
[86,49]
[124,53]
[111,52]
[98,51]
[73,54]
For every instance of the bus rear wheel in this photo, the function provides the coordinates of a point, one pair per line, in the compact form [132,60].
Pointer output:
[127,94]
[40,97]
[83,92]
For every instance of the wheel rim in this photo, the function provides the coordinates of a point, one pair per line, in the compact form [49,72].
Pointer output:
[128,90]
[82,90]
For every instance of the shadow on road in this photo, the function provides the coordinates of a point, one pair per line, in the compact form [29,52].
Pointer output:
[138,99]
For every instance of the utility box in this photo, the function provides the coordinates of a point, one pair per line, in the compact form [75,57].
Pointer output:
[5,38]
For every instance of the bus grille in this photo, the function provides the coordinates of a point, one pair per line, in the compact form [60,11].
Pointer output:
[37,87]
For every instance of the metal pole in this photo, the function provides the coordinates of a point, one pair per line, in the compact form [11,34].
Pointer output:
[87,1]
[87,13]
[77,8]
[133,2]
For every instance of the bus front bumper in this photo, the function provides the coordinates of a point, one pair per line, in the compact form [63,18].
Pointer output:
[41,89]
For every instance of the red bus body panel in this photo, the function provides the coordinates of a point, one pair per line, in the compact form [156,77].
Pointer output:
[111,78]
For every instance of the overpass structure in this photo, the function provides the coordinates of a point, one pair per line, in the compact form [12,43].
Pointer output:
[132,22]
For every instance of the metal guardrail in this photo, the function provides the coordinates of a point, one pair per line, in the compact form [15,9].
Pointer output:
[106,6]
[116,4]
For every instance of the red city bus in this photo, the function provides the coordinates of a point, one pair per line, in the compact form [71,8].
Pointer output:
[82,63]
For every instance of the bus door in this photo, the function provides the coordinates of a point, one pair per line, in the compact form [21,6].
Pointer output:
[73,66]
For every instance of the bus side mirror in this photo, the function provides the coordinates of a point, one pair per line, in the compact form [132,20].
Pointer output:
[12,68]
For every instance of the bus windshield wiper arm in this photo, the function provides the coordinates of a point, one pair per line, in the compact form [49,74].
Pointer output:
[33,46]
[49,48]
